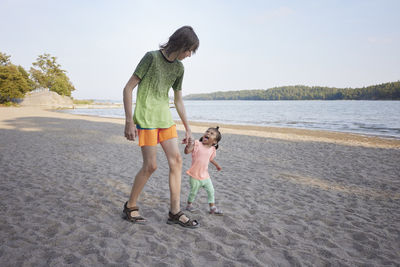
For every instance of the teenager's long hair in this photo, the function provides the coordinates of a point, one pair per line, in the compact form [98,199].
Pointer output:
[218,137]
[183,39]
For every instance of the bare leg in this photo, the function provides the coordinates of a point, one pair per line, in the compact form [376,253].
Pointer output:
[174,158]
[149,154]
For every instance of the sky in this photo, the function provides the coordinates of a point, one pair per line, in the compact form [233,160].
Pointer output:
[243,44]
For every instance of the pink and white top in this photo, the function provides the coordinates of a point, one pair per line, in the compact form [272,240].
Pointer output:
[201,157]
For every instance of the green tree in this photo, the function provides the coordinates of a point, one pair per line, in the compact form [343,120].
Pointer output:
[387,91]
[4,59]
[12,84]
[50,75]
[14,80]
[25,74]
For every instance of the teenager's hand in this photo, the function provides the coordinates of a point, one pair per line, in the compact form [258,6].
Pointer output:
[191,140]
[130,131]
[219,168]
[188,138]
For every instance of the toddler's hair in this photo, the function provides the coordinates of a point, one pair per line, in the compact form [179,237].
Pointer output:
[183,39]
[218,137]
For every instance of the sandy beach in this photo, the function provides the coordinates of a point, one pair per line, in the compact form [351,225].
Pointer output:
[290,197]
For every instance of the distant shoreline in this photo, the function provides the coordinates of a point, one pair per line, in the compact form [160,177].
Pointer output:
[296,122]
[96,106]
[296,134]
[289,134]
[384,91]
[117,103]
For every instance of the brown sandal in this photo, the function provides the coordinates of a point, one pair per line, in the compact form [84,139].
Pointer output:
[174,219]
[135,219]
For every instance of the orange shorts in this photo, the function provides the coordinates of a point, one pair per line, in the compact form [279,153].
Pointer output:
[151,137]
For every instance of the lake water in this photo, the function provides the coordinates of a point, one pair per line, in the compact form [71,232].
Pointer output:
[380,118]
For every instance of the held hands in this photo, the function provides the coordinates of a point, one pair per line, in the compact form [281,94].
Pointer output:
[188,138]
[130,131]
[188,141]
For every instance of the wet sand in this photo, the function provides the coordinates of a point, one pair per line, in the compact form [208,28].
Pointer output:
[290,197]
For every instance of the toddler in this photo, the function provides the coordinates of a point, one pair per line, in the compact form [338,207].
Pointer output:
[203,152]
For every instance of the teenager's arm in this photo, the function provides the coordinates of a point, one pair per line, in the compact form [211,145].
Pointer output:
[130,127]
[216,164]
[180,108]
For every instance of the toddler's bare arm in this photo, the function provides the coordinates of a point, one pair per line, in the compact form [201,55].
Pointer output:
[216,165]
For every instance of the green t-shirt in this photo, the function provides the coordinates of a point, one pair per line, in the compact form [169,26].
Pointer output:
[157,75]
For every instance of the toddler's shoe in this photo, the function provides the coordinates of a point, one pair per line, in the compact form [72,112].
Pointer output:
[214,210]
[190,208]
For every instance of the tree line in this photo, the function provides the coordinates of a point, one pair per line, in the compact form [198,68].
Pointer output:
[385,91]
[46,73]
